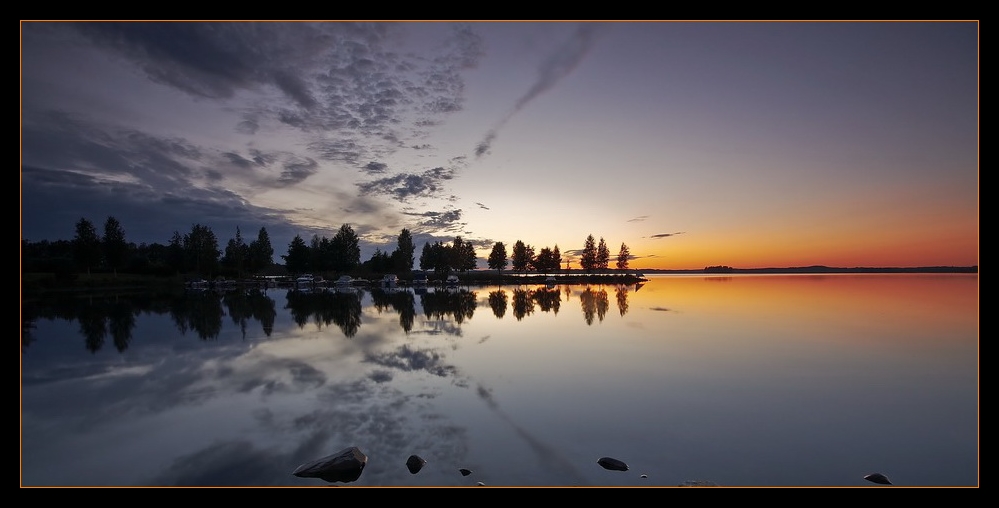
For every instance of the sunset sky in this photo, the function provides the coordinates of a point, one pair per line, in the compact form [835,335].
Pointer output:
[748,144]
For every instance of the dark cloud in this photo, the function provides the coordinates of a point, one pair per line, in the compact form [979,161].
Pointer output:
[376,168]
[238,160]
[263,158]
[482,206]
[62,141]
[483,147]
[353,97]
[340,80]
[297,170]
[148,215]
[203,59]
[449,220]
[404,186]
[666,235]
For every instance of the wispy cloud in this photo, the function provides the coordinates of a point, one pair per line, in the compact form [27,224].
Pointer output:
[666,235]
[557,66]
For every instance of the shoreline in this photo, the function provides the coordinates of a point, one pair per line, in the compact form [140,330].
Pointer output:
[38,283]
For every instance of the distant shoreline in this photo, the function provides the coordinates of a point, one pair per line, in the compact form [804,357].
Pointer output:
[632,275]
[822,269]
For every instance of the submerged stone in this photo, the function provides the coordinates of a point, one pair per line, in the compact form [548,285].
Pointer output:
[878,478]
[344,466]
[415,463]
[612,464]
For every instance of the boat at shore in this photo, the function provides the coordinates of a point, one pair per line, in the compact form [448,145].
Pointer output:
[308,281]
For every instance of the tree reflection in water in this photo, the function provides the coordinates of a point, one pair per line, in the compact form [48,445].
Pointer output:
[498,302]
[399,300]
[340,306]
[595,303]
[101,316]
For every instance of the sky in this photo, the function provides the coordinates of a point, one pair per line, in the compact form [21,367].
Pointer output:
[748,144]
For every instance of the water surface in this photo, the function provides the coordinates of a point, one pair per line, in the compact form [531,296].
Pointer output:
[744,380]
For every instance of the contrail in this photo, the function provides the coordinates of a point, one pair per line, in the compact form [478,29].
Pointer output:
[557,66]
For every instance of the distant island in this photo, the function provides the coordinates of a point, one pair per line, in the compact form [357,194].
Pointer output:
[632,275]
[827,269]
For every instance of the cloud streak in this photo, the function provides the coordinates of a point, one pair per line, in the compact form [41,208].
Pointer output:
[556,67]
[666,235]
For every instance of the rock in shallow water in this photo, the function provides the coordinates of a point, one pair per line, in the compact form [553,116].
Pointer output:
[415,463]
[344,466]
[878,478]
[612,464]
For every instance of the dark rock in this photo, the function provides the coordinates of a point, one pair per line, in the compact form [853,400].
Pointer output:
[878,478]
[344,466]
[612,464]
[415,463]
[698,483]
[465,472]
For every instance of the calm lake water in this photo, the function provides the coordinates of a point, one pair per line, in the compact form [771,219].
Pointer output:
[745,380]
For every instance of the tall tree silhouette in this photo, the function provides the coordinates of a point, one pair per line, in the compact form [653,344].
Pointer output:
[261,252]
[202,249]
[86,245]
[115,247]
[498,258]
[603,255]
[236,254]
[402,257]
[588,259]
[297,259]
[346,249]
[623,256]
[523,256]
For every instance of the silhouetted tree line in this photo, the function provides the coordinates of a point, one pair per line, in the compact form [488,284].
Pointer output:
[594,257]
[197,252]
[442,259]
